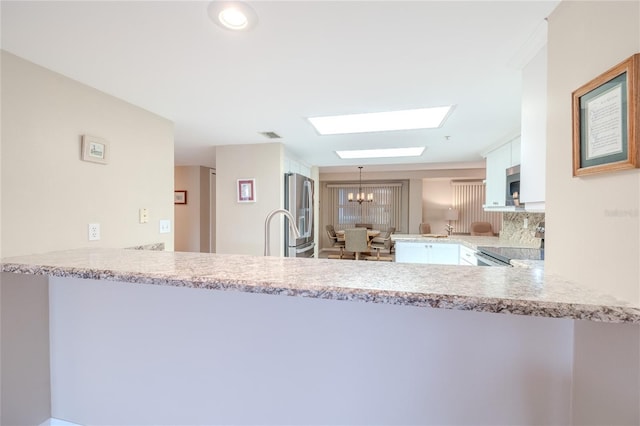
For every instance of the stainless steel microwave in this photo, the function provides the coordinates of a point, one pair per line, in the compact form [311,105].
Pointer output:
[513,186]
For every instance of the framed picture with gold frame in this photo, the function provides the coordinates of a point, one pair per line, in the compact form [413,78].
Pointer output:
[605,121]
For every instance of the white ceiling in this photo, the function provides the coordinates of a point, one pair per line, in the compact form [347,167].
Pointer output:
[304,58]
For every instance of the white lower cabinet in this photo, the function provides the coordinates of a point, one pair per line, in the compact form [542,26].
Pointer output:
[468,256]
[432,253]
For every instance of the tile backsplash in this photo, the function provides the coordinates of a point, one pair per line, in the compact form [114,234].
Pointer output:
[513,228]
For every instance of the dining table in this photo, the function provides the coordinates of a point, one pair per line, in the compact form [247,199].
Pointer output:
[371,234]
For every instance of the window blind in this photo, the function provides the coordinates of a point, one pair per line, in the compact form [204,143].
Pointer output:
[468,198]
[383,212]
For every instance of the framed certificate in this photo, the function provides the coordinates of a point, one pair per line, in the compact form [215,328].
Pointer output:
[605,121]
[246,191]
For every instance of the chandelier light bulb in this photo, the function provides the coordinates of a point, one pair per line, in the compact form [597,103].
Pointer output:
[360,196]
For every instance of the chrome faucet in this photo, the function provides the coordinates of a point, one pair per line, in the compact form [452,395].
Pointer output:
[294,228]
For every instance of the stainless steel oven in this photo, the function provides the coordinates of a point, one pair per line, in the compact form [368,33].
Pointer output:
[485,260]
[502,256]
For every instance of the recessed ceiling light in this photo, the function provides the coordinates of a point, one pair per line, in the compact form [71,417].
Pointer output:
[382,153]
[233,15]
[422,118]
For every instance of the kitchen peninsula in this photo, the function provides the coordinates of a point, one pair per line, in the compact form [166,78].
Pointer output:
[200,338]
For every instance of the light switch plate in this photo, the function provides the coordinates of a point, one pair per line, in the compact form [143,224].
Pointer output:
[144,215]
[165,226]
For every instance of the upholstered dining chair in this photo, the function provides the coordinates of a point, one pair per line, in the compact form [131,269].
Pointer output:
[335,241]
[382,241]
[392,244]
[425,228]
[481,228]
[356,240]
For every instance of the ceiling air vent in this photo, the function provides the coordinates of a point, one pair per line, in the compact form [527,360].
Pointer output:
[271,135]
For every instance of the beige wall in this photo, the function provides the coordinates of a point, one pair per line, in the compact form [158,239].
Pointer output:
[437,196]
[240,226]
[207,210]
[187,216]
[415,206]
[592,225]
[49,195]
[195,219]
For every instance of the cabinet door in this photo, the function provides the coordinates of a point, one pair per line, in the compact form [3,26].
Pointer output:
[467,256]
[498,161]
[444,254]
[516,146]
[534,132]
[411,252]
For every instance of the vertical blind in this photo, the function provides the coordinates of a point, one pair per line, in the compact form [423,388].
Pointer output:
[468,198]
[383,212]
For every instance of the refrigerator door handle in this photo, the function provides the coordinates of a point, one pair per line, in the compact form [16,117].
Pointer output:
[308,230]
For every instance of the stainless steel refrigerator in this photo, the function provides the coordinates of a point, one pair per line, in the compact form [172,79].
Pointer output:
[298,199]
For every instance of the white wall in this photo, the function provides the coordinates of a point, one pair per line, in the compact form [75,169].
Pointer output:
[606,374]
[592,225]
[49,195]
[240,226]
[195,356]
[25,395]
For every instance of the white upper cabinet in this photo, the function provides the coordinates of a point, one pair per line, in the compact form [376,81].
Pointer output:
[498,161]
[515,152]
[534,132]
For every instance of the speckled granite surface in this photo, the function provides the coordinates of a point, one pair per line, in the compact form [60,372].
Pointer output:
[526,263]
[153,246]
[501,290]
[513,228]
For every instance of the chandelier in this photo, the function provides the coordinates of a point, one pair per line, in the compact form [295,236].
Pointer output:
[360,196]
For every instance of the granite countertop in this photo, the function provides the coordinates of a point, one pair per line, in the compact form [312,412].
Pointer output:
[526,263]
[521,291]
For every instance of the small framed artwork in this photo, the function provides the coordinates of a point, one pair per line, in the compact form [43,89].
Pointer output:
[179,197]
[95,149]
[605,114]
[246,190]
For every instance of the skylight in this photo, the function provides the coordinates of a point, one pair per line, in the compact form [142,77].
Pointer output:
[422,118]
[382,153]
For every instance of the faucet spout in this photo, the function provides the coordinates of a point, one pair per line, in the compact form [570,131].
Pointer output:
[267,221]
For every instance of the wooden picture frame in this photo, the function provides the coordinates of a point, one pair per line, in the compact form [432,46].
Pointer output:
[180,197]
[95,150]
[246,191]
[605,115]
